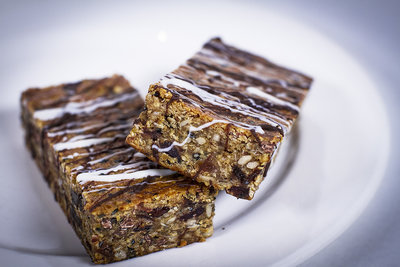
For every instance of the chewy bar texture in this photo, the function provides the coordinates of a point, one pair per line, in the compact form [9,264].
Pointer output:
[120,204]
[220,117]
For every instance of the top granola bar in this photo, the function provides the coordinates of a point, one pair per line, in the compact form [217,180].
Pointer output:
[220,117]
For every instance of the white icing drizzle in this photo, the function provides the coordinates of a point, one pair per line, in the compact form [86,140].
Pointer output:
[103,188]
[106,184]
[254,90]
[80,107]
[140,155]
[82,134]
[212,72]
[223,77]
[87,136]
[206,53]
[137,170]
[123,176]
[88,139]
[79,137]
[54,133]
[76,154]
[115,127]
[233,106]
[81,143]
[216,59]
[93,162]
[281,120]
[72,131]
[191,129]
[271,98]
[104,176]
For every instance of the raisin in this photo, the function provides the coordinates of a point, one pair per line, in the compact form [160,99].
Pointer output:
[157,212]
[75,219]
[239,174]
[239,192]
[114,211]
[165,144]
[131,252]
[76,199]
[174,152]
[194,213]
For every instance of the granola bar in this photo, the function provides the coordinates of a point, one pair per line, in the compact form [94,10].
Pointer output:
[120,204]
[220,117]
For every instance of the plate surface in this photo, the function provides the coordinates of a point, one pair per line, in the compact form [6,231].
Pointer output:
[323,178]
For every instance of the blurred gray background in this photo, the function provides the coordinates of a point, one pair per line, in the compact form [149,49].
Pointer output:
[369,30]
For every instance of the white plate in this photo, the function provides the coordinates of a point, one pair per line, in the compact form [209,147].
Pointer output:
[338,156]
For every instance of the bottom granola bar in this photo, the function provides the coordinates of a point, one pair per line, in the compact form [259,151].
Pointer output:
[120,204]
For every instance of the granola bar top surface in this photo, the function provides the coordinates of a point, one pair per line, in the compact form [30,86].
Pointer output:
[239,88]
[85,124]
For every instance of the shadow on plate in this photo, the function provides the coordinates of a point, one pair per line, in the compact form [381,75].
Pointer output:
[289,151]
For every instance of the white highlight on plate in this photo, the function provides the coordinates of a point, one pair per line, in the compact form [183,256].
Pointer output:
[162,36]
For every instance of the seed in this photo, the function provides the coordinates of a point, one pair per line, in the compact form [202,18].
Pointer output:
[171,220]
[191,223]
[216,137]
[200,140]
[114,211]
[208,210]
[252,164]
[183,123]
[196,156]
[244,159]
[120,255]
[118,89]
[106,224]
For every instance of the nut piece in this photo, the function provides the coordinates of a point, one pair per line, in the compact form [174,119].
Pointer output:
[191,223]
[106,223]
[244,159]
[183,123]
[171,220]
[216,137]
[200,140]
[118,89]
[209,210]
[252,164]
[127,223]
[120,254]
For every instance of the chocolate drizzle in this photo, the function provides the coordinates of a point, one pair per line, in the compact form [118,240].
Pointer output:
[252,96]
[206,166]
[227,130]
[75,118]
[246,90]
[135,188]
